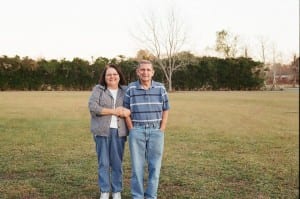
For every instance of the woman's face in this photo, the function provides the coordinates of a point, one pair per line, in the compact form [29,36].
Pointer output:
[112,78]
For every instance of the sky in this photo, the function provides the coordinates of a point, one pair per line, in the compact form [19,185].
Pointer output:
[57,29]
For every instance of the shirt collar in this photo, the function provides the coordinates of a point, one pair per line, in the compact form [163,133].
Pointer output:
[139,85]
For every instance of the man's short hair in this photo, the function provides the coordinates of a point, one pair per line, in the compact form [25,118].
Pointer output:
[144,62]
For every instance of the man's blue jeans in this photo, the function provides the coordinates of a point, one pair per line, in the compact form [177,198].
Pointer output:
[145,144]
[110,151]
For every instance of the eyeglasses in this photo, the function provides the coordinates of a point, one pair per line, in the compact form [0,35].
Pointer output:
[113,74]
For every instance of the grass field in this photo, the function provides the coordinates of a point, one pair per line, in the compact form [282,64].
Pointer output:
[217,145]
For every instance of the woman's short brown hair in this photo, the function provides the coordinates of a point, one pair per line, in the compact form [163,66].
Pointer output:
[117,68]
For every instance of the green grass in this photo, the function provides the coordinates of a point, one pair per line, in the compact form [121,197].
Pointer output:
[217,145]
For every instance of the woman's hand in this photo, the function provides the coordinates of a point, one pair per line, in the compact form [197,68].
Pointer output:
[122,112]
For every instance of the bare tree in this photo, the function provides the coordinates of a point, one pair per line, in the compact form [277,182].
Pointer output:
[144,54]
[246,51]
[263,45]
[164,39]
[276,64]
[295,70]
[226,43]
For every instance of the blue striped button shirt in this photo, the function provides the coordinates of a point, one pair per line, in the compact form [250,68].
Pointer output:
[146,106]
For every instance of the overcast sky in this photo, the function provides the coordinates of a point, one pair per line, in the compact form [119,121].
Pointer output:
[85,28]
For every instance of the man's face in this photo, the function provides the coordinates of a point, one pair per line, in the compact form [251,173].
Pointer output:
[145,72]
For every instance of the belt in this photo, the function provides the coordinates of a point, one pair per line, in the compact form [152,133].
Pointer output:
[155,125]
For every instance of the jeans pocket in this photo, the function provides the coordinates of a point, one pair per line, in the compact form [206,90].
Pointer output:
[160,131]
[131,130]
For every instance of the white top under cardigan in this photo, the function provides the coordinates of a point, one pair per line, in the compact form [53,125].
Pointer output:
[114,119]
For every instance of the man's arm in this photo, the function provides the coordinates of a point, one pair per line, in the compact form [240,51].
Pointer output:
[164,120]
[128,122]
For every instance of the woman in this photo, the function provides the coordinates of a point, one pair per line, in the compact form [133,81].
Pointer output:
[109,129]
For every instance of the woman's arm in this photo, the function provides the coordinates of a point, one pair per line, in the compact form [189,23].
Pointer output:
[119,111]
[109,111]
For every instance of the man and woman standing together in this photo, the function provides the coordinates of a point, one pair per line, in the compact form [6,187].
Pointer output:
[142,108]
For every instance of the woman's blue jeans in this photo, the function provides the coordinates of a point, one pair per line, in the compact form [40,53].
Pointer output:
[146,145]
[110,151]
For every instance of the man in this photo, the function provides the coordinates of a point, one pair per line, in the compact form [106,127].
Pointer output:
[149,105]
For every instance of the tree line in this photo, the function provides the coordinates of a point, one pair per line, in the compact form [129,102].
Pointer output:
[198,73]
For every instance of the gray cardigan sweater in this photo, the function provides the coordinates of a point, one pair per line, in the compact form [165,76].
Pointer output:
[102,98]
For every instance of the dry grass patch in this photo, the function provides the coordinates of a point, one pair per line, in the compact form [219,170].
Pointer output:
[218,145]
